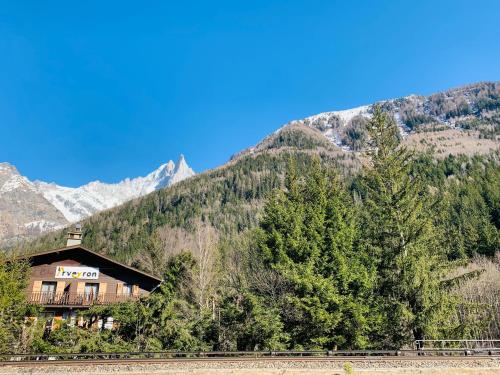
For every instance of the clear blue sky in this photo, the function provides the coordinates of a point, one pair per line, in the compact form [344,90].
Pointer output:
[115,88]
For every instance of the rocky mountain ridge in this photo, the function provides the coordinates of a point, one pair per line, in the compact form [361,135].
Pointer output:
[33,207]
[468,108]
[466,113]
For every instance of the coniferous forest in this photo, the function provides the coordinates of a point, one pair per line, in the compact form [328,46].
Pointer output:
[297,246]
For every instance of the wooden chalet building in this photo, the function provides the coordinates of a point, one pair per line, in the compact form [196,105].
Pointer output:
[73,278]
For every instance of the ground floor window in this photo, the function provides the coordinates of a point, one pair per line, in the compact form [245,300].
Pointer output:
[49,320]
[70,317]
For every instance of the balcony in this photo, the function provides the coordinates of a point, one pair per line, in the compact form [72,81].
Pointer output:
[77,300]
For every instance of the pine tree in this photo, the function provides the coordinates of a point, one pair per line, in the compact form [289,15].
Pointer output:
[399,235]
[467,228]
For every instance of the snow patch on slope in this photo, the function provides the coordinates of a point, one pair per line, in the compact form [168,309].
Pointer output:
[40,226]
[16,182]
[344,115]
[332,124]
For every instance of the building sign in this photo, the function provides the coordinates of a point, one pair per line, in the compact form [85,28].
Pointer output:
[88,273]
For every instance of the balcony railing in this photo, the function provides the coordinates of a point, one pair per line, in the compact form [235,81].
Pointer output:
[70,299]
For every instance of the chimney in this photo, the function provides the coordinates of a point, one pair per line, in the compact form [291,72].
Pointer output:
[75,236]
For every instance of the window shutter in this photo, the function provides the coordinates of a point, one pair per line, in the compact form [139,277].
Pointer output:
[119,289]
[60,287]
[37,286]
[103,287]
[80,288]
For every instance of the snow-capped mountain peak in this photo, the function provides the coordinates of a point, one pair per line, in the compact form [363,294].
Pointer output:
[78,203]
[11,180]
[181,170]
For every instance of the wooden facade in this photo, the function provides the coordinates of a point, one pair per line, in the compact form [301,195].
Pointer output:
[73,278]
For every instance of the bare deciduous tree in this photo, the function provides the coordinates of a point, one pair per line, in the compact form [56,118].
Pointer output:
[202,242]
[481,299]
[165,243]
[205,252]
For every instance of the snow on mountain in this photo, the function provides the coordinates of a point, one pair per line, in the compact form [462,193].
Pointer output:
[23,211]
[78,203]
[40,226]
[344,115]
[472,107]
[16,182]
[181,171]
[33,207]
[333,123]
[11,180]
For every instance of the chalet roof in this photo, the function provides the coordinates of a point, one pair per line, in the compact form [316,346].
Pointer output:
[84,249]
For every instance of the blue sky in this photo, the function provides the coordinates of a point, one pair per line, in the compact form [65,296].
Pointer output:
[115,88]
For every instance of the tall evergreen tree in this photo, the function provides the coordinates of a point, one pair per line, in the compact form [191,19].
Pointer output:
[399,235]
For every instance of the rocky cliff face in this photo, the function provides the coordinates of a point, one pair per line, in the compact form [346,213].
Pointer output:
[23,210]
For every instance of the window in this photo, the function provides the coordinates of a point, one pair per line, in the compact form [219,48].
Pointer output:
[91,290]
[70,317]
[48,288]
[127,289]
[46,292]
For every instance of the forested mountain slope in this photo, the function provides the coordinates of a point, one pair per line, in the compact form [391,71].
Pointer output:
[229,198]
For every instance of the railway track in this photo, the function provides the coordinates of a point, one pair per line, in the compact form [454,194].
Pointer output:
[230,360]
[245,357]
